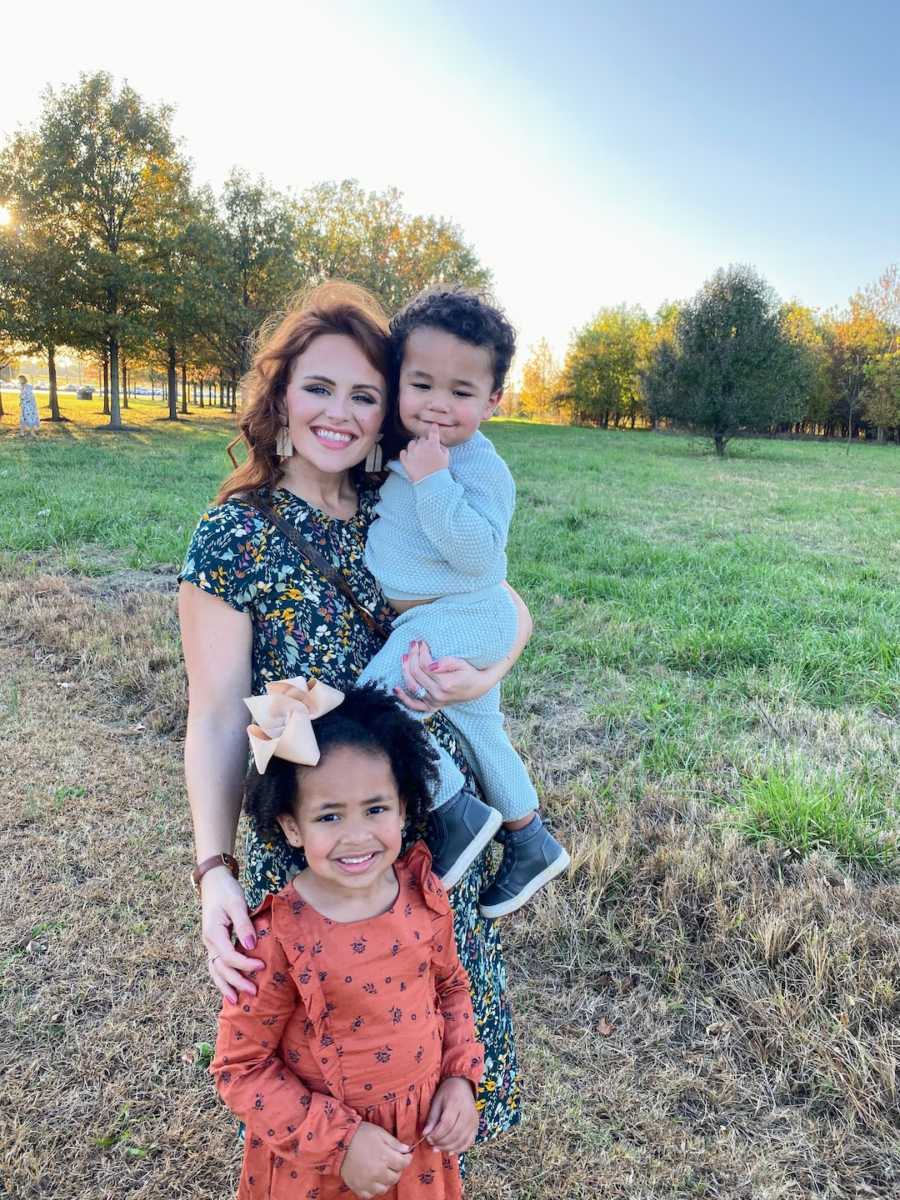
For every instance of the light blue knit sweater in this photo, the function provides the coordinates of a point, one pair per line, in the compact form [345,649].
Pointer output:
[445,535]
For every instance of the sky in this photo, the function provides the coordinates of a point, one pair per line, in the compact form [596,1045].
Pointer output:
[593,154]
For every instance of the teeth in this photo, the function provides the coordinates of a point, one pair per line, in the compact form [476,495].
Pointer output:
[361,858]
[329,436]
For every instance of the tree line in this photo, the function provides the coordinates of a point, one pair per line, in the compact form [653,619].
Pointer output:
[111,249]
[732,359]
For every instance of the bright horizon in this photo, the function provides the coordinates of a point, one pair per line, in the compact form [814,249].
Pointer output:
[592,155]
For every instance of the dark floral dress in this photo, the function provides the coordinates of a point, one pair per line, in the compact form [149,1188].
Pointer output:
[302,625]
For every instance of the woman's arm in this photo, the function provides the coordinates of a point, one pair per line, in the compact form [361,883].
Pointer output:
[453,680]
[217,642]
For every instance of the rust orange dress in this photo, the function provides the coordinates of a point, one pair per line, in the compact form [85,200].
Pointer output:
[352,1021]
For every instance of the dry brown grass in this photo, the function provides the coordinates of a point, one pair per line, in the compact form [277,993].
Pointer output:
[698,1018]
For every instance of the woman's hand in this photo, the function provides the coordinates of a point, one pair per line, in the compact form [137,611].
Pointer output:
[224,909]
[453,1118]
[445,681]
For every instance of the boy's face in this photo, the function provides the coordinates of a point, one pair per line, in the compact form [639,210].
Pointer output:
[446,382]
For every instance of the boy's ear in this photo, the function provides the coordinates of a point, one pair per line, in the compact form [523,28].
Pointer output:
[493,403]
[291,830]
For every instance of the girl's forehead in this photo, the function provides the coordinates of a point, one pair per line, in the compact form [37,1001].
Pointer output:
[346,776]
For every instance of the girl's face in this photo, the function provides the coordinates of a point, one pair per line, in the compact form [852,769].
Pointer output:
[335,402]
[348,818]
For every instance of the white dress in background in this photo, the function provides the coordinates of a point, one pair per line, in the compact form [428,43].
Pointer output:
[28,413]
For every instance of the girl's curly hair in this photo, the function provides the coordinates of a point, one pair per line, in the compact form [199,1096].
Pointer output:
[369,720]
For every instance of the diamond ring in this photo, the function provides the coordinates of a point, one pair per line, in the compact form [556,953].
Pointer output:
[421,693]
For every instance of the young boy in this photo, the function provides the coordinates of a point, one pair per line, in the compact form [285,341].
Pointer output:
[438,549]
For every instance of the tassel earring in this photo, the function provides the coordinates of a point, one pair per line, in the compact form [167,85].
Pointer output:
[374,459]
[284,447]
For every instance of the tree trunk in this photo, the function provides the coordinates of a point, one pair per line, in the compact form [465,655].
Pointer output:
[115,412]
[124,383]
[172,384]
[54,395]
[720,439]
[880,435]
[184,406]
[233,390]
[105,383]
[200,391]
[221,391]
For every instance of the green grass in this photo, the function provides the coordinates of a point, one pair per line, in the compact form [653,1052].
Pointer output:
[713,617]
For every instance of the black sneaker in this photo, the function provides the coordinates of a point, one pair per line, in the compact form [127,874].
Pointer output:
[531,857]
[460,830]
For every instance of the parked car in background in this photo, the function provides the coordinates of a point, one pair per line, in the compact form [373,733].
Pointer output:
[85,393]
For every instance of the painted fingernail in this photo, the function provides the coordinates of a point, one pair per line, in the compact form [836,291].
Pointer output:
[228,1000]
[433,666]
[250,942]
[405,658]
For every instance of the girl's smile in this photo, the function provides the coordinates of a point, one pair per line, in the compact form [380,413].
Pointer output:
[349,821]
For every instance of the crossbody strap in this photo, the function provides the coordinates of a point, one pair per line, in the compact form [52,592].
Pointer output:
[315,559]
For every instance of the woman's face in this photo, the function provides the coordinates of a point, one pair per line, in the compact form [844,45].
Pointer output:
[336,402]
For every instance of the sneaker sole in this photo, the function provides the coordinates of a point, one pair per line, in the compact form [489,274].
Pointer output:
[471,852]
[506,907]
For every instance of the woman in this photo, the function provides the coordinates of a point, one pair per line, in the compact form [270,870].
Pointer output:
[252,611]
[29,421]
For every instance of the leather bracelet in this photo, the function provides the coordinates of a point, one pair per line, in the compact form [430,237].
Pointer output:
[216,860]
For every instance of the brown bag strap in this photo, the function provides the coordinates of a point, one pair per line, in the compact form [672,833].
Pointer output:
[315,559]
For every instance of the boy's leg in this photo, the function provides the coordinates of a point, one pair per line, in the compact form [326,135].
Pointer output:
[531,855]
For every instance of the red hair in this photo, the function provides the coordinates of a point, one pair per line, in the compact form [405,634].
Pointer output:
[339,308]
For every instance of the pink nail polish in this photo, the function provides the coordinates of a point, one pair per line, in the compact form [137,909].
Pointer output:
[250,943]
[433,666]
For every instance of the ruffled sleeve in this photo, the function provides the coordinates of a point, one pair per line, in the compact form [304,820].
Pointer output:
[463,1054]
[295,1123]
[225,554]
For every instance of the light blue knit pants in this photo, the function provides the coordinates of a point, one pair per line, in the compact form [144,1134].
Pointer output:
[480,627]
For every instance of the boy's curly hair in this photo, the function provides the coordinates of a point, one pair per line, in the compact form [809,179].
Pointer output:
[467,314]
[369,720]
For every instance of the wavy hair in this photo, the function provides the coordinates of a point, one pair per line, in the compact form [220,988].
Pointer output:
[336,308]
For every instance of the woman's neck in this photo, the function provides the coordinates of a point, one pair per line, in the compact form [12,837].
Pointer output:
[332,493]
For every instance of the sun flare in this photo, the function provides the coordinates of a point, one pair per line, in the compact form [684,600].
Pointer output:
[5,215]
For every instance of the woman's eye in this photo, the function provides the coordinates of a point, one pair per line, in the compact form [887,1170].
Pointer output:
[365,397]
[316,389]
[329,817]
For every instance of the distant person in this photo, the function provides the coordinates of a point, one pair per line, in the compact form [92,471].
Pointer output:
[438,549]
[29,421]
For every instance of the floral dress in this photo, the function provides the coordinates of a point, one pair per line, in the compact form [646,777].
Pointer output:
[28,411]
[302,625]
[352,1021]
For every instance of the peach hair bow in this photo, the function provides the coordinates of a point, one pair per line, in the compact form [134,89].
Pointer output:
[283,717]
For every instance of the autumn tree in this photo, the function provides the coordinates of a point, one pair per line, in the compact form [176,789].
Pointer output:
[735,369]
[805,330]
[602,375]
[540,392]
[368,238]
[103,163]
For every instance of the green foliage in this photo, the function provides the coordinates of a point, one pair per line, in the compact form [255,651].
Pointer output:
[735,369]
[602,377]
[802,812]
[542,383]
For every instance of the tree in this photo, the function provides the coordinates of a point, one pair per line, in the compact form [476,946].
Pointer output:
[539,395]
[603,366]
[346,233]
[854,339]
[882,392]
[805,330]
[104,165]
[736,369]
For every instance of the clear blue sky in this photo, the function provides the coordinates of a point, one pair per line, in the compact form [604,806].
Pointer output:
[593,153]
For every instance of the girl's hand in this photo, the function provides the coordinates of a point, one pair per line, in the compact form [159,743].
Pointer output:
[453,1118]
[374,1161]
[446,681]
[224,909]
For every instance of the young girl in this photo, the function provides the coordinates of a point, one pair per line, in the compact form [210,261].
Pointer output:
[354,1064]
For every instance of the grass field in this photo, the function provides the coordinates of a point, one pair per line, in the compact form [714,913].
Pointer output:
[708,1006]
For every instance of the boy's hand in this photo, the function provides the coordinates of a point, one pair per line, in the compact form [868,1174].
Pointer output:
[374,1161]
[424,456]
[453,1118]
